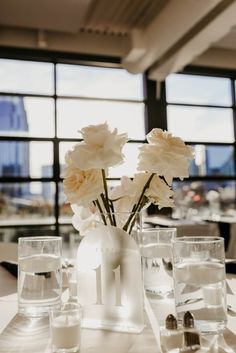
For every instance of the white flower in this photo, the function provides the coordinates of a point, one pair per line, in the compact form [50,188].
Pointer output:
[84,219]
[100,149]
[159,193]
[85,184]
[81,186]
[165,155]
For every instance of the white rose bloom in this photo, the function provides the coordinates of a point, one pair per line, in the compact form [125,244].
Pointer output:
[165,155]
[81,186]
[159,193]
[100,149]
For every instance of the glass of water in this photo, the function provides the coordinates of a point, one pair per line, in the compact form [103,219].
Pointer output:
[39,275]
[200,281]
[156,257]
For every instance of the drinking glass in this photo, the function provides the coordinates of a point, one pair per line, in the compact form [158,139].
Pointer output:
[156,258]
[65,327]
[200,281]
[39,275]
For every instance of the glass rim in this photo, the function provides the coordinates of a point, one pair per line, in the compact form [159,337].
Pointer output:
[198,239]
[40,238]
[76,308]
[165,229]
[125,212]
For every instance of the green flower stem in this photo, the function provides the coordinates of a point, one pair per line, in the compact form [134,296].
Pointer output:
[101,212]
[136,208]
[106,198]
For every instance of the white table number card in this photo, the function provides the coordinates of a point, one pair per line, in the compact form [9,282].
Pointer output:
[110,281]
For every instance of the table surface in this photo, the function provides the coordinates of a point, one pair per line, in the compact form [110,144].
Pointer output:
[31,335]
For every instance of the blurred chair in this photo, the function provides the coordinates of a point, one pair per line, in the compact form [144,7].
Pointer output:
[8,252]
[231,250]
[208,229]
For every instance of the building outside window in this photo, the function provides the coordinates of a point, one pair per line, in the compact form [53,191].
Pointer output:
[201,110]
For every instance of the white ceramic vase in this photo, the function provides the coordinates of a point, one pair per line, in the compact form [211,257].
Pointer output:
[109,280]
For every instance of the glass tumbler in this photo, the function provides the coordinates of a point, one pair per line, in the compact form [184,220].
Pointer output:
[200,281]
[156,258]
[39,275]
[65,327]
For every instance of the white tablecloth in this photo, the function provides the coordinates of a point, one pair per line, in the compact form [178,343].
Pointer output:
[27,335]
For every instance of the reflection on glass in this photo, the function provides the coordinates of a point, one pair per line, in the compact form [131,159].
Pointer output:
[212,160]
[197,89]
[24,159]
[199,198]
[126,117]
[26,116]
[87,81]
[18,76]
[201,124]
[27,203]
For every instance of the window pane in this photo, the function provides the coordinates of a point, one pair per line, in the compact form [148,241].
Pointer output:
[201,124]
[17,76]
[198,90]
[41,159]
[213,160]
[129,167]
[25,159]
[73,115]
[26,116]
[27,203]
[88,81]
[194,198]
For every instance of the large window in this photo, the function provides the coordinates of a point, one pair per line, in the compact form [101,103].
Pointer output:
[201,110]
[42,108]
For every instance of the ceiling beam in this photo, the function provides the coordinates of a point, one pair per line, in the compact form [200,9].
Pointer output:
[83,43]
[217,58]
[209,30]
[170,25]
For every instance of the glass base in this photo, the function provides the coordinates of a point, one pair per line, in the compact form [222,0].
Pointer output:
[65,350]
[36,311]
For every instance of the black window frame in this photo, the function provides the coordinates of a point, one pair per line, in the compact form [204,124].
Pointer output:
[56,58]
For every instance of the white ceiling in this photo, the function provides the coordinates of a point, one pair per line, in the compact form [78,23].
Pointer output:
[160,36]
